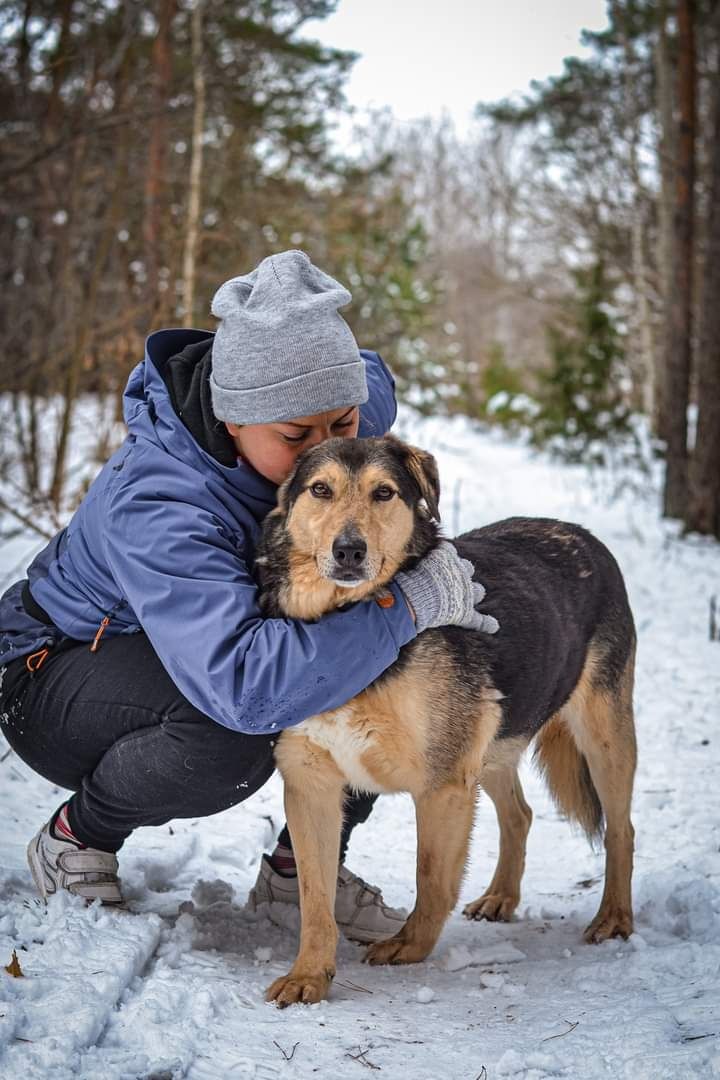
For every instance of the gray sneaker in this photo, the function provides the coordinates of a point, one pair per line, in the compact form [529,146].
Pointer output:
[84,871]
[360,911]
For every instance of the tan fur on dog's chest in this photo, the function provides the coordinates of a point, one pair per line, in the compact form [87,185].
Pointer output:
[377,741]
[347,739]
[395,736]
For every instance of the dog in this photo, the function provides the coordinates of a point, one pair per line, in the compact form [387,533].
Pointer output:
[457,709]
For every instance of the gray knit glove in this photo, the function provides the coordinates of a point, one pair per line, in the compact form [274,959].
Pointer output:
[441,592]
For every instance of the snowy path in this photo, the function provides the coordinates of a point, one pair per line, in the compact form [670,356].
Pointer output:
[176,989]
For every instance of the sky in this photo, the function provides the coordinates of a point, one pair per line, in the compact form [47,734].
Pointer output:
[422,59]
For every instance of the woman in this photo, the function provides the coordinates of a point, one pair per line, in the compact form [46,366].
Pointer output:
[137,670]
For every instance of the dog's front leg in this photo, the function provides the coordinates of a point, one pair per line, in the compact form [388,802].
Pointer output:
[313,804]
[444,823]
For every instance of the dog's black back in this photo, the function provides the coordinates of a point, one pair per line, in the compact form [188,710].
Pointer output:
[554,588]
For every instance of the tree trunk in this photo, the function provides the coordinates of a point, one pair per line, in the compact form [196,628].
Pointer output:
[90,291]
[666,155]
[703,513]
[679,334]
[156,160]
[642,321]
[194,200]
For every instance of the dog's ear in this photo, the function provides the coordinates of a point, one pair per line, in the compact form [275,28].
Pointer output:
[423,468]
[283,495]
[293,485]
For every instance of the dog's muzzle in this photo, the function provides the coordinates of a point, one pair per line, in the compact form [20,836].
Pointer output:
[349,560]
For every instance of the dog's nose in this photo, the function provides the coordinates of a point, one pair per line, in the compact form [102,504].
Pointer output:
[349,550]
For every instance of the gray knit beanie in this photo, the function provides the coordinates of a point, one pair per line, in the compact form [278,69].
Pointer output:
[282,349]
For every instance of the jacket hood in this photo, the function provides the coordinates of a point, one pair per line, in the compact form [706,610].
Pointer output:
[169,372]
[187,377]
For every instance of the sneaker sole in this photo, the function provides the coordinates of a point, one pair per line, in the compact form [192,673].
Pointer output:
[366,937]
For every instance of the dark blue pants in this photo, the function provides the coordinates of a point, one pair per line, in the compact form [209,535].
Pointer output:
[113,727]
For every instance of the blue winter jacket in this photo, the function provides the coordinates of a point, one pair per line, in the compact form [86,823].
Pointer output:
[164,541]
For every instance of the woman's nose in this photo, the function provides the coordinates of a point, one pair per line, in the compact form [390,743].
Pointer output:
[318,435]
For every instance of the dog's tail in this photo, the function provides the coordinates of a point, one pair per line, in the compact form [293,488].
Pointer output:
[567,774]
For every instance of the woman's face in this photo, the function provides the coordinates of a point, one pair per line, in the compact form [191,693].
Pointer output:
[273,449]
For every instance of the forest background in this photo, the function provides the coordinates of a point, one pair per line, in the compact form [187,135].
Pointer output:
[554,269]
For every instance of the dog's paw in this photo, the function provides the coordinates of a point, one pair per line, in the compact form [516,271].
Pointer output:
[495,907]
[298,989]
[609,923]
[395,950]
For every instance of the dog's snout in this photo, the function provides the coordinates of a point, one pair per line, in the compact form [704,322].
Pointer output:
[349,549]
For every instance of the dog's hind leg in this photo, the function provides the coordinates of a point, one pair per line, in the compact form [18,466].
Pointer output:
[314,791]
[600,718]
[444,823]
[502,895]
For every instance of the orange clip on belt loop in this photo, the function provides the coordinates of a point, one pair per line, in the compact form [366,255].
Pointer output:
[101,631]
[37,659]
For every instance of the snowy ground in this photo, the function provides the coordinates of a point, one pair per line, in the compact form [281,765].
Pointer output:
[176,988]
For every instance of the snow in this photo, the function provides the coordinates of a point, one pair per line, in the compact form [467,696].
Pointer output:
[175,988]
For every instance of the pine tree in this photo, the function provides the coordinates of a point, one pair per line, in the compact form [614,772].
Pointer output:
[582,407]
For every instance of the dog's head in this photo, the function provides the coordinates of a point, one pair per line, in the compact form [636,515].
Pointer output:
[353,513]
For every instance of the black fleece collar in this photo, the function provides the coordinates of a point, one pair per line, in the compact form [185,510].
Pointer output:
[187,377]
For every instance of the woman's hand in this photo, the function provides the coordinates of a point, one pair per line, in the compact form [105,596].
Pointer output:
[440,591]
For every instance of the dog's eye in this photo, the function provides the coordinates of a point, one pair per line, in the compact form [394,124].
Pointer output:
[320,491]
[383,493]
